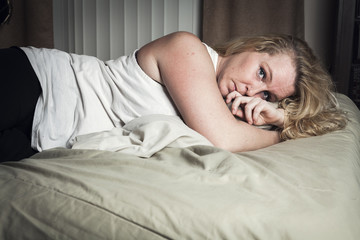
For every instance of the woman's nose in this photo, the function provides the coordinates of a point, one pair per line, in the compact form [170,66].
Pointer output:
[254,90]
[251,91]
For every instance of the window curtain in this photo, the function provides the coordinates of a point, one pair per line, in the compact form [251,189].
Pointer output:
[112,28]
[226,19]
[30,24]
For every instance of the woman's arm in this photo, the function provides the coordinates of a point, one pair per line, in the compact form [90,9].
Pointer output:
[181,62]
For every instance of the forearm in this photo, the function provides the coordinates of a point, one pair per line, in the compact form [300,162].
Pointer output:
[246,138]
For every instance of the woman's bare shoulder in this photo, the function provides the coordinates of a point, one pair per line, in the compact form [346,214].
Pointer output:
[159,51]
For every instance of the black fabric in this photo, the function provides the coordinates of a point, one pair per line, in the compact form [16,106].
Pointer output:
[19,92]
[5,11]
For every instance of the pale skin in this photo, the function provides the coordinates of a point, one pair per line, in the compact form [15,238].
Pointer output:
[181,62]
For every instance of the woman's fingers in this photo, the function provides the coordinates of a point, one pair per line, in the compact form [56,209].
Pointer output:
[249,109]
[258,108]
[240,113]
[235,107]
[232,95]
[264,112]
[255,110]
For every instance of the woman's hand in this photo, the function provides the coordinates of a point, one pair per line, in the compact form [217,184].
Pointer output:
[255,110]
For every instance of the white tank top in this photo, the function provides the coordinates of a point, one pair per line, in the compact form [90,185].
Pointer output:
[82,94]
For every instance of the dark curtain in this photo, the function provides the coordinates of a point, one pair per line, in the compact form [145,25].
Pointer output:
[226,19]
[31,24]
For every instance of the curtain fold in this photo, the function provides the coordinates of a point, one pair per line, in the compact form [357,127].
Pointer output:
[226,19]
[112,28]
[31,24]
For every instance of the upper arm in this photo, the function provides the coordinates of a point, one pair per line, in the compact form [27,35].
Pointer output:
[181,62]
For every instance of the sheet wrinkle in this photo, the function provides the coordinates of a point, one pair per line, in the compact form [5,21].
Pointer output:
[143,136]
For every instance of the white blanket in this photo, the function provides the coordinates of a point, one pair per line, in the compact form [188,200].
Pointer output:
[143,136]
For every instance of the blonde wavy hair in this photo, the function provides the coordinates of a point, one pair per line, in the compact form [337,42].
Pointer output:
[313,109]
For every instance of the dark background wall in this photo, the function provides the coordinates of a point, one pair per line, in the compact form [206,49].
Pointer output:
[30,24]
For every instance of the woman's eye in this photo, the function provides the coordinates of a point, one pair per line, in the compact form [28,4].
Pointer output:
[262,73]
[266,95]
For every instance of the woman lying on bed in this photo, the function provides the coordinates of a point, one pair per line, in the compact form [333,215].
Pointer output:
[49,97]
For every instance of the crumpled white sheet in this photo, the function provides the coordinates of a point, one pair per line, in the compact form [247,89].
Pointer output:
[143,136]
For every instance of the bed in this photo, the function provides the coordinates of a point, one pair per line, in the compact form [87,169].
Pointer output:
[170,183]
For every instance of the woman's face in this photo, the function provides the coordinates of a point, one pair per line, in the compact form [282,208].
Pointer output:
[256,74]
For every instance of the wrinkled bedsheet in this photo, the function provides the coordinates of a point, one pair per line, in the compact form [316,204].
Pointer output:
[298,189]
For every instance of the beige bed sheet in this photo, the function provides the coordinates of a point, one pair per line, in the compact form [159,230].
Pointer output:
[300,189]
